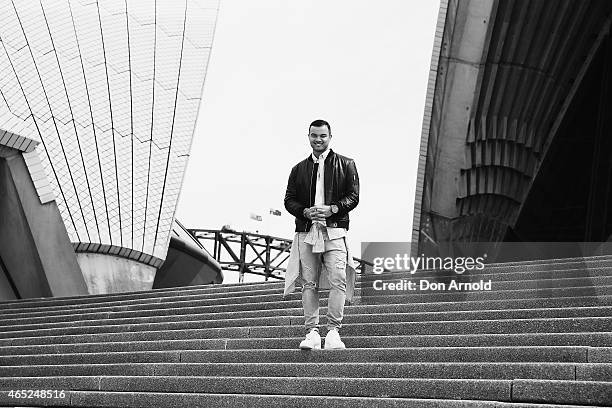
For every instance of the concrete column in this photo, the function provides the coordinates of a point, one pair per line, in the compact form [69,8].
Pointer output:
[34,245]
[461,63]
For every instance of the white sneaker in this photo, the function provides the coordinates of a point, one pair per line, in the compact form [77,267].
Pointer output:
[312,341]
[332,340]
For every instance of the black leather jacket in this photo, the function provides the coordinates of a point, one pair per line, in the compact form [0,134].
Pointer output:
[341,188]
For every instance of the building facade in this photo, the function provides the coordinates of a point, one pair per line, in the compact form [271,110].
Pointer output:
[100,98]
[515,134]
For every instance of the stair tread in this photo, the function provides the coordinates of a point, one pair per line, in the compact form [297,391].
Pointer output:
[543,336]
[292,300]
[156,399]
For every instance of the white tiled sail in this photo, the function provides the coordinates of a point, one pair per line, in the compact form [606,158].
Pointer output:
[111,90]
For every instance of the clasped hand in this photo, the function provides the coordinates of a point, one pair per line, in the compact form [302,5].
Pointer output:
[318,212]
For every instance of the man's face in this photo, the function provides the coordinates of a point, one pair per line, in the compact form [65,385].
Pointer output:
[319,138]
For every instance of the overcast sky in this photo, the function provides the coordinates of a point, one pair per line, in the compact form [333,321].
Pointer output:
[277,65]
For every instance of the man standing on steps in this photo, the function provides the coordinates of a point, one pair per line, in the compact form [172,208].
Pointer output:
[322,190]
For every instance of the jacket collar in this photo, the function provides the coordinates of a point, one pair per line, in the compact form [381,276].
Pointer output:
[329,155]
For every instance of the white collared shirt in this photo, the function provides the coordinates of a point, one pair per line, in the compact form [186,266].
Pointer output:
[332,232]
[320,181]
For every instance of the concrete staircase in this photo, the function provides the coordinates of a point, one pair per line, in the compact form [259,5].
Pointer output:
[541,337]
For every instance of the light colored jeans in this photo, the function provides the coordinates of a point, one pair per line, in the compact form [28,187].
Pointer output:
[334,259]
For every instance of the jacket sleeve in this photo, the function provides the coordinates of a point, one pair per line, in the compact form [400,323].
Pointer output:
[292,204]
[351,187]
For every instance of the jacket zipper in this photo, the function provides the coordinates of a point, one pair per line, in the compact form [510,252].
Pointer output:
[310,203]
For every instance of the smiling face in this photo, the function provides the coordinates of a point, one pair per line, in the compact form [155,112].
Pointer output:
[319,137]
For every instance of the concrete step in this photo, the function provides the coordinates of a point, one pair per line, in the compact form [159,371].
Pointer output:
[501,282]
[532,354]
[366,287]
[562,392]
[402,354]
[498,390]
[294,308]
[544,325]
[541,335]
[361,279]
[516,271]
[597,345]
[523,390]
[480,370]
[276,300]
[601,339]
[293,316]
[270,318]
[90,399]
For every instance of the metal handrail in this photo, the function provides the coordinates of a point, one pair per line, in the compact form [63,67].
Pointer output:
[247,252]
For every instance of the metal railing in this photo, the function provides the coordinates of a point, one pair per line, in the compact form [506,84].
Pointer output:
[246,252]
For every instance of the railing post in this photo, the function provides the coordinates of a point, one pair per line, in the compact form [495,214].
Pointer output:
[242,257]
[216,252]
[267,266]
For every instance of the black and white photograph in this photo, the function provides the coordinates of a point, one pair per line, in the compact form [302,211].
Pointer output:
[275,203]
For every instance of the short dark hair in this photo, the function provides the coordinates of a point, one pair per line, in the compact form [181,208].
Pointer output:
[319,123]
